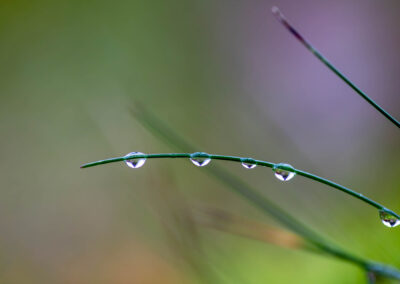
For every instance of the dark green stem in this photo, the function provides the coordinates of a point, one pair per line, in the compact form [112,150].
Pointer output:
[267,206]
[238,186]
[257,162]
[308,45]
[256,199]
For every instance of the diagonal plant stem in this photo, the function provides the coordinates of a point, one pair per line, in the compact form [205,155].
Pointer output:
[236,185]
[281,18]
[256,162]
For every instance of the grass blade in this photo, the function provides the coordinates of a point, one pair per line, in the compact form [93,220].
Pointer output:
[170,137]
[281,18]
[257,162]
[251,195]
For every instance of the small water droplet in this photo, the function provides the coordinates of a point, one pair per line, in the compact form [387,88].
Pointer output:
[388,219]
[248,163]
[283,172]
[135,163]
[200,159]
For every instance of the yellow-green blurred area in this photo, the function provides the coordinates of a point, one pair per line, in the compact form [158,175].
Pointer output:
[229,78]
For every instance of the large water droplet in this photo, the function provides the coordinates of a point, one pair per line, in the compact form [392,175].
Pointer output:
[388,219]
[200,159]
[248,163]
[135,163]
[283,172]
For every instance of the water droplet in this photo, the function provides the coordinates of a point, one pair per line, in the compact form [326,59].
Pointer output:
[200,159]
[135,163]
[248,163]
[388,219]
[283,172]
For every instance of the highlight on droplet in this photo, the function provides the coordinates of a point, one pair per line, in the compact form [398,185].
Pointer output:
[388,219]
[200,159]
[135,163]
[248,163]
[284,172]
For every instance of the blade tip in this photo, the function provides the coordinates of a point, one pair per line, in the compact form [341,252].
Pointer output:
[275,10]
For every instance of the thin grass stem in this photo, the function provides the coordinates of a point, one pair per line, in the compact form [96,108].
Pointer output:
[259,201]
[244,190]
[281,18]
[170,137]
[257,162]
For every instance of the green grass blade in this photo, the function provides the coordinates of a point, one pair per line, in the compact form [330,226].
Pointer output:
[281,18]
[253,196]
[170,137]
[257,162]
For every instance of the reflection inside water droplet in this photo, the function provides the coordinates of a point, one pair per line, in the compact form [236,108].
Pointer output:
[135,163]
[388,219]
[200,159]
[248,163]
[284,172]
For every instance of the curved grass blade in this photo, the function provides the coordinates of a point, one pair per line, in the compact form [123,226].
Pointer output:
[256,162]
[170,137]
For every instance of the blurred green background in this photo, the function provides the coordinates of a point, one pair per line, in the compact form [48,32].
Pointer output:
[223,74]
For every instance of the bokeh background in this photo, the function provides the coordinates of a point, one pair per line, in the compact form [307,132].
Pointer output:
[229,78]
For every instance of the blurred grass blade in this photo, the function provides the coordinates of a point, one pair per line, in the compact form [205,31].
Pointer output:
[170,137]
[234,183]
[227,222]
